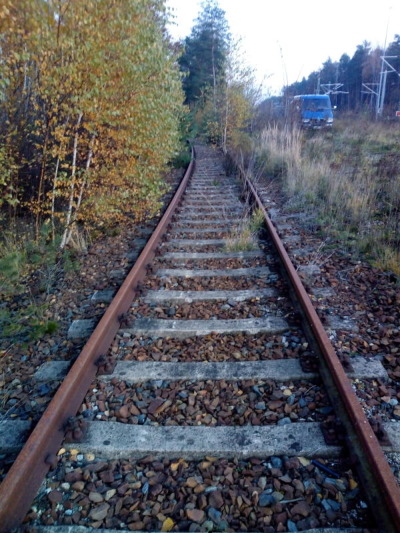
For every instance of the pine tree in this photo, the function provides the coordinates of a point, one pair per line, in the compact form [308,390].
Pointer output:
[205,53]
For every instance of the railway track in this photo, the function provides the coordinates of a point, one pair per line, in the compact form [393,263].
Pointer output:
[219,405]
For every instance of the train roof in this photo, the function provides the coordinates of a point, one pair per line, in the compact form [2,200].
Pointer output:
[309,96]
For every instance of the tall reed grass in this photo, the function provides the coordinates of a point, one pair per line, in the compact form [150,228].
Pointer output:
[349,177]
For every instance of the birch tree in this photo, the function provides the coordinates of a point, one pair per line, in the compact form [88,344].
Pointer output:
[95,92]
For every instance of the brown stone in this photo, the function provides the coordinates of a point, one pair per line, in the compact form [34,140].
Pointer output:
[216,499]
[156,490]
[107,476]
[201,501]
[281,518]
[99,512]
[134,410]
[78,485]
[274,405]
[122,489]
[293,462]
[54,496]
[196,515]
[75,475]
[95,497]
[118,506]
[301,508]
[289,491]
[97,467]
[298,485]
[155,404]
[136,526]
[123,412]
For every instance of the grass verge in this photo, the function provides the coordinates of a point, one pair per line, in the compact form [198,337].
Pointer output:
[348,177]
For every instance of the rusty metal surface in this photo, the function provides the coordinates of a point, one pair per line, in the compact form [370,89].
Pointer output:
[22,482]
[386,486]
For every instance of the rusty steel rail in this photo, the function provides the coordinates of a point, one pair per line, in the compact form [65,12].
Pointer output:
[22,482]
[378,479]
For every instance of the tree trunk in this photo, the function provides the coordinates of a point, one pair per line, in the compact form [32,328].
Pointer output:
[53,199]
[67,230]
[41,183]
[84,182]
[55,184]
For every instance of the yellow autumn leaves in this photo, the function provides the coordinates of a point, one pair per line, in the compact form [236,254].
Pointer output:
[91,102]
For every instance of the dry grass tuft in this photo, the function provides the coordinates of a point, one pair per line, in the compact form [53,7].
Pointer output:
[349,177]
[244,237]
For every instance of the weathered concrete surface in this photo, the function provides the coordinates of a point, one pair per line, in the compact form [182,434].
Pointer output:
[322,292]
[337,323]
[281,370]
[149,327]
[225,203]
[139,244]
[309,270]
[113,440]
[103,296]
[117,440]
[52,371]
[200,273]
[302,252]
[210,219]
[179,229]
[367,368]
[132,256]
[212,255]
[228,215]
[393,431]
[201,198]
[81,329]
[198,296]
[282,226]
[308,273]
[13,434]
[273,212]
[302,216]
[289,239]
[214,222]
[202,210]
[195,242]
[117,274]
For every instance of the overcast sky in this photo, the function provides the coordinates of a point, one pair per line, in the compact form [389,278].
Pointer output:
[288,39]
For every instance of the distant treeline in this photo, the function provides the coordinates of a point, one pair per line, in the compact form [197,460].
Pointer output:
[359,75]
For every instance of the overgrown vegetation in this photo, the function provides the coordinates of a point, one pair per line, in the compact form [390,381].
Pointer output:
[245,237]
[349,178]
[90,108]
[30,269]
[220,90]
[91,113]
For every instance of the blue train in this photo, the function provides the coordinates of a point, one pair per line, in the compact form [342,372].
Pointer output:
[312,111]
